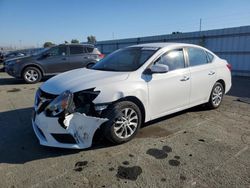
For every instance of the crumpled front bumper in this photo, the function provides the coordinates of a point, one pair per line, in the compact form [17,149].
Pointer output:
[78,133]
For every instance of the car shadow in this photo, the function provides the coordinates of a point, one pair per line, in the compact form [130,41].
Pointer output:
[15,81]
[198,108]
[18,143]
[11,81]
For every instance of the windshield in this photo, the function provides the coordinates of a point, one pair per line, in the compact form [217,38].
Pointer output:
[125,60]
[40,51]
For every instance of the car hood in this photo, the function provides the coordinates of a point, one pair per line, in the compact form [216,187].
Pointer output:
[17,58]
[80,79]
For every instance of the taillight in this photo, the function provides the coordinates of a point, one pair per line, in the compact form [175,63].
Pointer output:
[101,55]
[229,66]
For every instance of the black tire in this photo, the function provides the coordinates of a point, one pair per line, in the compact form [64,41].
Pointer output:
[218,90]
[113,113]
[32,79]
[90,65]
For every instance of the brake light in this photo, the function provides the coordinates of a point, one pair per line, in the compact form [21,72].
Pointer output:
[101,55]
[229,66]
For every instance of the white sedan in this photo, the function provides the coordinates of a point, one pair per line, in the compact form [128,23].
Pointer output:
[131,86]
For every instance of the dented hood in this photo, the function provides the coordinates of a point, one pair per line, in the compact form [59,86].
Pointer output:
[80,79]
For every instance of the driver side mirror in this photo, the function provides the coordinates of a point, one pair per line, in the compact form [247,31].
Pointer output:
[45,55]
[157,68]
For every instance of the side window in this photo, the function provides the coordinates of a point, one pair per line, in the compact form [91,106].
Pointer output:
[197,56]
[89,49]
[76,50]
[210,57]
[58,51]
[174,59]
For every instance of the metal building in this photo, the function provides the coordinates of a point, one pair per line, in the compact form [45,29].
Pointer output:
[232,44]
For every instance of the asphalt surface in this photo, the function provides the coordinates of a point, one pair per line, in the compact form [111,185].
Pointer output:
[193,148]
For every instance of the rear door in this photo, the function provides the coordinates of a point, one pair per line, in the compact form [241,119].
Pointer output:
[78,56]
[203,75]
[56,60]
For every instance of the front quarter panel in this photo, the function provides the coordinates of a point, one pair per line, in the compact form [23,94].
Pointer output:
[130,88]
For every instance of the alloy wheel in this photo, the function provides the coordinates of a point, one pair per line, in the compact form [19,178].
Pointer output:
[217,95]
[126,124]
[31,75]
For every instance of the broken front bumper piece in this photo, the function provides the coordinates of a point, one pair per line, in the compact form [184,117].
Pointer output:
[77,134]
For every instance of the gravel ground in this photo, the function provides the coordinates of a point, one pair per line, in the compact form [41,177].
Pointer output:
[193,148]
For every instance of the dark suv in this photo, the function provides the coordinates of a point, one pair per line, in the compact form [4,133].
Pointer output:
[52,61]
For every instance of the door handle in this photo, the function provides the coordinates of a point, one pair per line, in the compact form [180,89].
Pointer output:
[211,73]
[185,78]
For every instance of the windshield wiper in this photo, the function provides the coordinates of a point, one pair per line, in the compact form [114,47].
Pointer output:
[105,69]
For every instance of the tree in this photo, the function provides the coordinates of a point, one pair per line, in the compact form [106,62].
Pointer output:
[91,39]
[48,44]
[176,32]
[75,41]
[66,42]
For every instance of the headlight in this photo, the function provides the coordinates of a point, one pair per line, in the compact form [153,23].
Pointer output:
[9,63]
[12,62]
[64,102]
[84,101]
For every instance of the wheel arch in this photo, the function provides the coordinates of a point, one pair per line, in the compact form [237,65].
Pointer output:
[33,65]
[137,102]
[223,83]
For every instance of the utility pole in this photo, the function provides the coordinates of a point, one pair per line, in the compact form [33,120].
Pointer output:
[200,24]
[113,35]
[20,43]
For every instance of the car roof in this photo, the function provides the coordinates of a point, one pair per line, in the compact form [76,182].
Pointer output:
[77,44]
[165,44]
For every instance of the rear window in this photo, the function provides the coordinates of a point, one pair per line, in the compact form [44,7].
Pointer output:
[89,49]
[197,56]
[210,57]
[76,50]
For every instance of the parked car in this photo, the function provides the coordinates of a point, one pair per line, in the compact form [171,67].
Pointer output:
[14,54]
[1,61]
[52,61]
[10,56]
[125,89]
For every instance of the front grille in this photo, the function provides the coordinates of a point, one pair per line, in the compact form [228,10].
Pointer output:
[64,138]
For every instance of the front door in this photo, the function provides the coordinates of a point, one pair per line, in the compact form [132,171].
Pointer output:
[56,60]
[169,91]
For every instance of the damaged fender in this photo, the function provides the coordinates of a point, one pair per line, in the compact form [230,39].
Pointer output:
[83,127]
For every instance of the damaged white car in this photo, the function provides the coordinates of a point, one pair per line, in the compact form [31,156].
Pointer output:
[127,88]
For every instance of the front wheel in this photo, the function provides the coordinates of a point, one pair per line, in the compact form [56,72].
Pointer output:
[216,96]
[124,122]
[32,75]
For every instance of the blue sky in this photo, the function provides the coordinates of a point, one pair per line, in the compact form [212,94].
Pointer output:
[32,22]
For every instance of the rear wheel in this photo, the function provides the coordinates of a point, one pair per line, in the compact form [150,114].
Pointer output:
[32,75]
[216,96]
[124,122]
[90,65]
